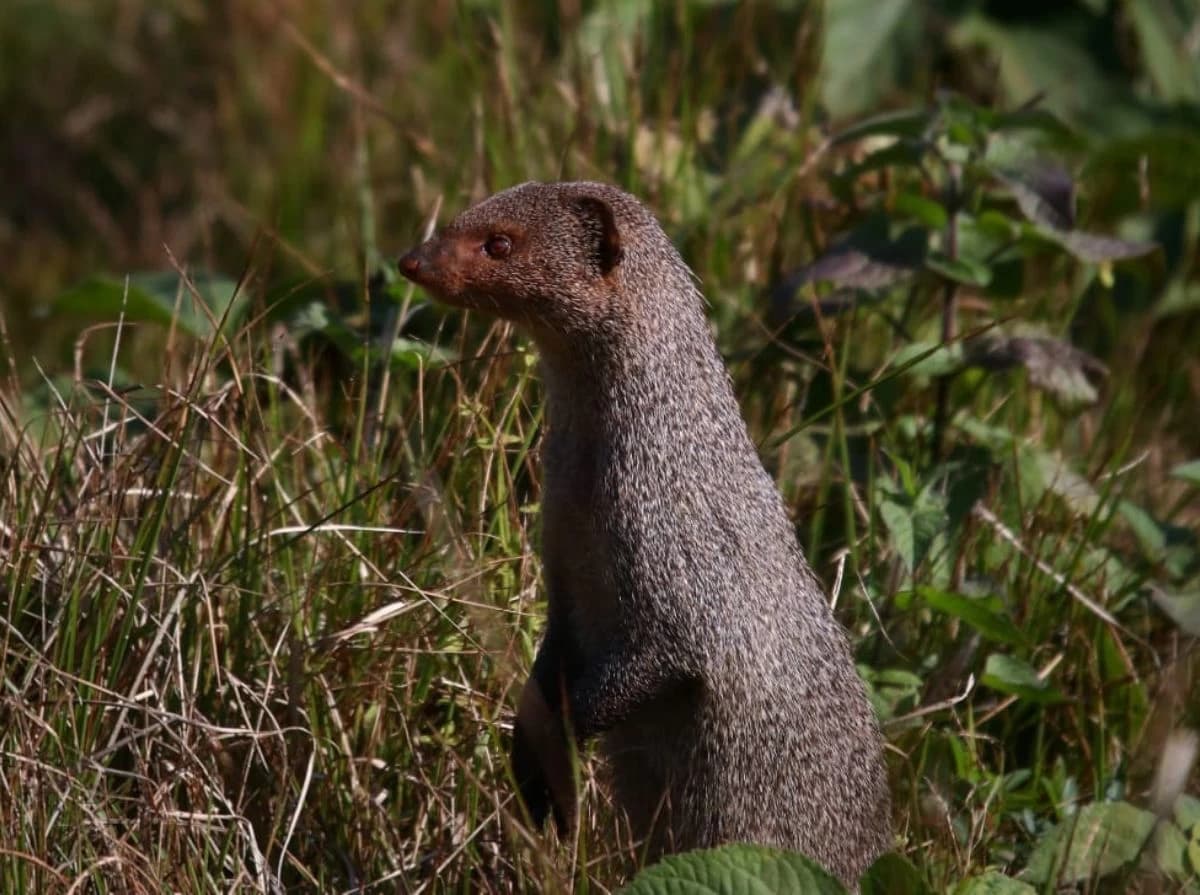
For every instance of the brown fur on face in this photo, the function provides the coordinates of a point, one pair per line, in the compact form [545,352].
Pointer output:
[558,273]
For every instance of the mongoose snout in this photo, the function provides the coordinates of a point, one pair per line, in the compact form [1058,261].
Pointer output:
[685,629]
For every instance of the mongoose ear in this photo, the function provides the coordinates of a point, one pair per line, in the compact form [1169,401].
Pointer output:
[598,216]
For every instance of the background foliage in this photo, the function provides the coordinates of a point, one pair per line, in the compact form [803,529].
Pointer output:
[267,520]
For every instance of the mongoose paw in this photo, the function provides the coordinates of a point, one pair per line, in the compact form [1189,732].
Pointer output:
[531,782]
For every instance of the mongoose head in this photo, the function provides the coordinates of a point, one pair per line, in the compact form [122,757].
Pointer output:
[550,256]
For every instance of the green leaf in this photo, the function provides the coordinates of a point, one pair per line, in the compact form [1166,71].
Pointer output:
[1169,850]
[1193,852]
[735,870]
[980,613]
[1183,608]
[158,297]
[1101,838]
[867,43]
[416,354]
[1189,472]
[1150,535]
[1060,479]
[993,883]
[962,270]
[1187,814]
[913,522]
[935,359]
[1009,674]
[893,874]
[928,212]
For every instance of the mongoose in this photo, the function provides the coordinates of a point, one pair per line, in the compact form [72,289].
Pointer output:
[685,627]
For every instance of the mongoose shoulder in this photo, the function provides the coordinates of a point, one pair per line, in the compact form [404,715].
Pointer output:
[685,627]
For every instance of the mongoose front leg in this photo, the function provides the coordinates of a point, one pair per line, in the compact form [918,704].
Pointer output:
[542,754]
[632,673]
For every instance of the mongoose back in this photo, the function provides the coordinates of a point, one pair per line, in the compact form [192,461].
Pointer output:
[685,627]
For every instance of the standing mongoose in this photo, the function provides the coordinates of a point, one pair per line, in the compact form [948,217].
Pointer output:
[685,627]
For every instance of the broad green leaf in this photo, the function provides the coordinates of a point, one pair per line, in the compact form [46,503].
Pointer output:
[1101,838]
[735,870]
[1183,608]
[962,270]
[892,691]
[993,883]
[867,43]
[893,874]
[1193,851]
[1189,472]
[1050,472]
[979,613]
[928,212]
[1150,535]
[1187,814]
[914,522]
[1009,674]
[1169,850]
[157,297]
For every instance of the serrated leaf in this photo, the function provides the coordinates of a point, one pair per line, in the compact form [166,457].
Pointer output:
[1101,838]
[1097,249]
[1054,366]
[735,870]
[1009,674]
[1045,193]
[993,883]
[976,612]
[866,259]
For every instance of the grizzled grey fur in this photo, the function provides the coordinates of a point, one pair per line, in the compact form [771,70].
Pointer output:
[686,629]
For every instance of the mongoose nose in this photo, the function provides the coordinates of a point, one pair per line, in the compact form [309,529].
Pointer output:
[410,264]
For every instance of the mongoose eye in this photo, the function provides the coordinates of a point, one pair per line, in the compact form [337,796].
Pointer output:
[498,247]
